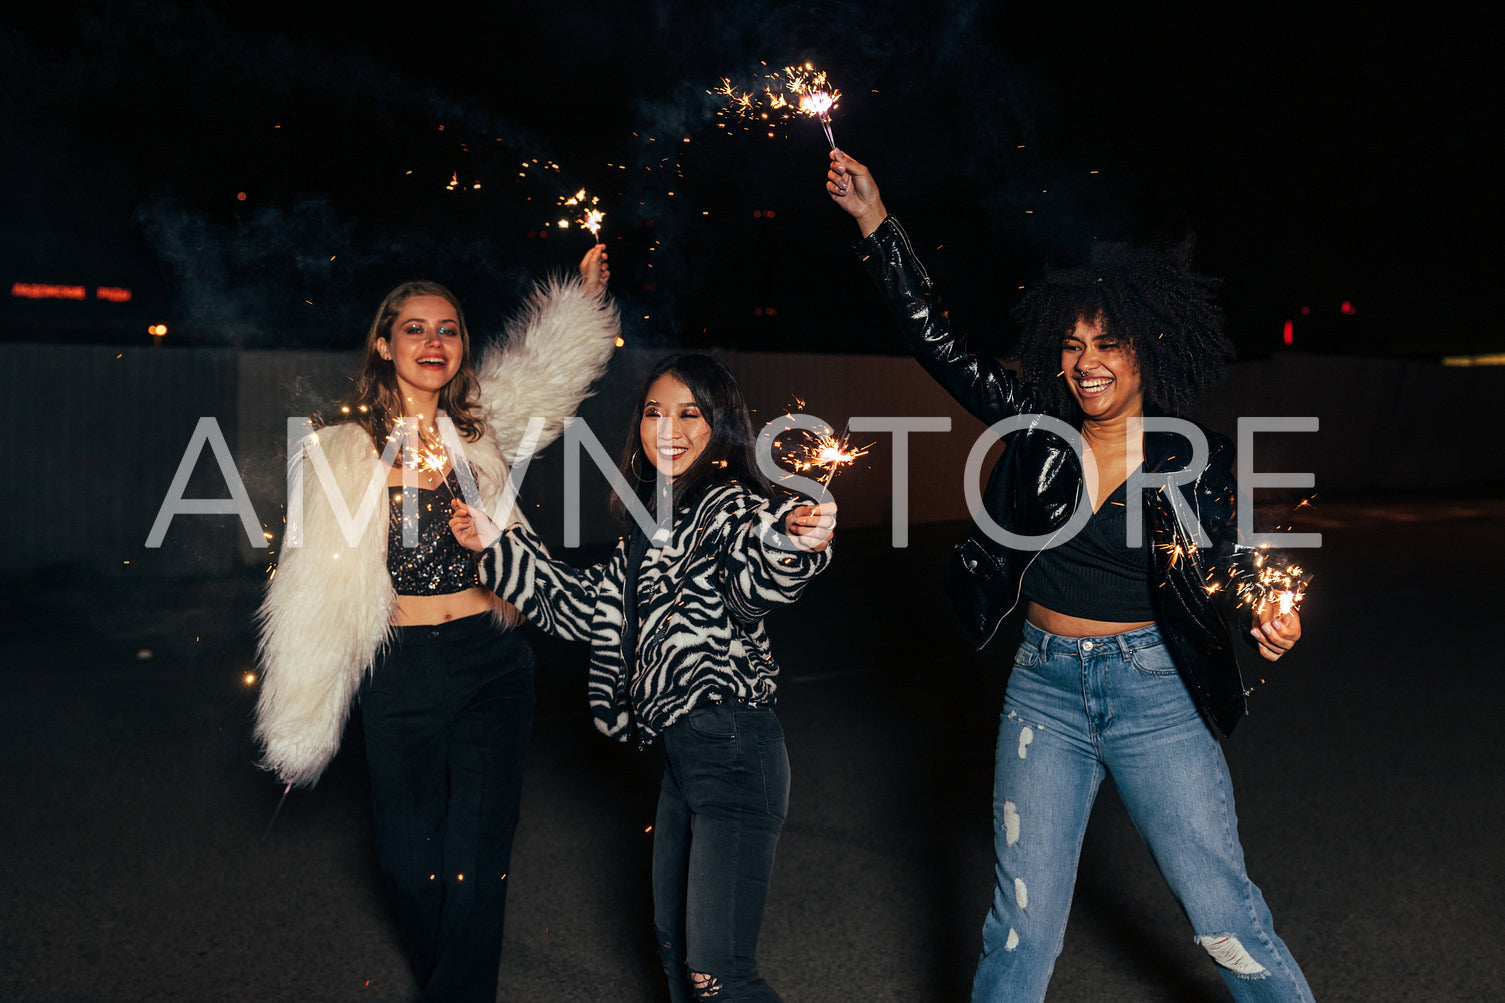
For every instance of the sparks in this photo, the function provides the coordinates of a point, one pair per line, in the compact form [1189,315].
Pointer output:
[816,96]
[777,97]
[590,217]
[831,452]
[1265,580]
[431,459]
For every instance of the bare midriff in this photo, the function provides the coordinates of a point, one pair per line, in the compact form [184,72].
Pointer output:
[423,611]
[418,611]
[1063,625]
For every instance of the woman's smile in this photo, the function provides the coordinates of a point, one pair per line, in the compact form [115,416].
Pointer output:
[424,346]
[1102,372]
[673,430]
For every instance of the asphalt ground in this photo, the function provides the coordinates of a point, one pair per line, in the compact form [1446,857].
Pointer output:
[133,867]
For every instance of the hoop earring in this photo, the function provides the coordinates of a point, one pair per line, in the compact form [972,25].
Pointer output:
[633,465]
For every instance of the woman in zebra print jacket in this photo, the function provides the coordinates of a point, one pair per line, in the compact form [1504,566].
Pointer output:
[678,652]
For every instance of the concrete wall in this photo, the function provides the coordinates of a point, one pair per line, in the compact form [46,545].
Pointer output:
[108,429]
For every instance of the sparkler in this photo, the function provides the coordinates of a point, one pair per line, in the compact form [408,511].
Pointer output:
[433,460]
[825,450]
[1264,581]
[768,103]
[834,454]
[817,96]
[424,456]
[275,811]
[590,217]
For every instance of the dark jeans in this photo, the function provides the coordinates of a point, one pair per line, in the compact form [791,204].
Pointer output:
[723,801]
[448,712]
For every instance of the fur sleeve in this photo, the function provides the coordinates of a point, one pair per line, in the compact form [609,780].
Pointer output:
[325,614]
[555,348]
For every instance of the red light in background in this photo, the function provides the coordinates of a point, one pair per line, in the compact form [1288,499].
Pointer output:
[43,291]
[1305,311]
[1347,309]
[1289,334]
[52,291]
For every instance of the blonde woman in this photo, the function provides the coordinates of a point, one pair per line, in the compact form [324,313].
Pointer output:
[398,619]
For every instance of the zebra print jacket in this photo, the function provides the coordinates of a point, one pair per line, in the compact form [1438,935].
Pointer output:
[701,598]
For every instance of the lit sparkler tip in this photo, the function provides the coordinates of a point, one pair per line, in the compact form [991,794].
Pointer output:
[590,217]
[770,101]
[826,451]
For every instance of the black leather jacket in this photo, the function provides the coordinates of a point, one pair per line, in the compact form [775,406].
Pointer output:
[1034,487]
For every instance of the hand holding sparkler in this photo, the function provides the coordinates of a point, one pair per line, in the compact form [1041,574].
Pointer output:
[810,527]
[851,186]
[471,526]
[1276,633]
[1273,592]
[594,271]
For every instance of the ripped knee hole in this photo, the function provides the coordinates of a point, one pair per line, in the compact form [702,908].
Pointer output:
[706,987]
[1229,952]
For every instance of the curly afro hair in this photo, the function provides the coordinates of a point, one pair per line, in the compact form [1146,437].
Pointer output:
[1147,297]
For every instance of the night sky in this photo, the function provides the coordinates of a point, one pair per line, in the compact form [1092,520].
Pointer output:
[259,175]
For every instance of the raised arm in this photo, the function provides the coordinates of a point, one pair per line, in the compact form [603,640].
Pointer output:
[555,348]
[980,383]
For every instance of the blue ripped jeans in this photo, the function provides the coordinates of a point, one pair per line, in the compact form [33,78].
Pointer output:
[720,811]
[1079,708]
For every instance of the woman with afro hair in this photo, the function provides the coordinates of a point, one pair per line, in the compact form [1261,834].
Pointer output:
[1126,667]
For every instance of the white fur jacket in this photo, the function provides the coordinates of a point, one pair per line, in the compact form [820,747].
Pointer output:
[328,606]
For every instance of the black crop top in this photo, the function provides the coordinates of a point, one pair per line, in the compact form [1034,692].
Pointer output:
[438,565]
[1095,575]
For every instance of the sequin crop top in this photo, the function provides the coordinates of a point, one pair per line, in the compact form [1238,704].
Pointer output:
[437,565]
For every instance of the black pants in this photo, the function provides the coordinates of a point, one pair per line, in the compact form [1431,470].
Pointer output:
[720,810]
[448,712]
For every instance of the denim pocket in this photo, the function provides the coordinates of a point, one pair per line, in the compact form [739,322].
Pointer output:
[1154,660]
[712,720]
[1027,657]
[773,763]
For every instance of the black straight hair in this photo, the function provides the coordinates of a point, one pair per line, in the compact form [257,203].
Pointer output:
[729,455]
